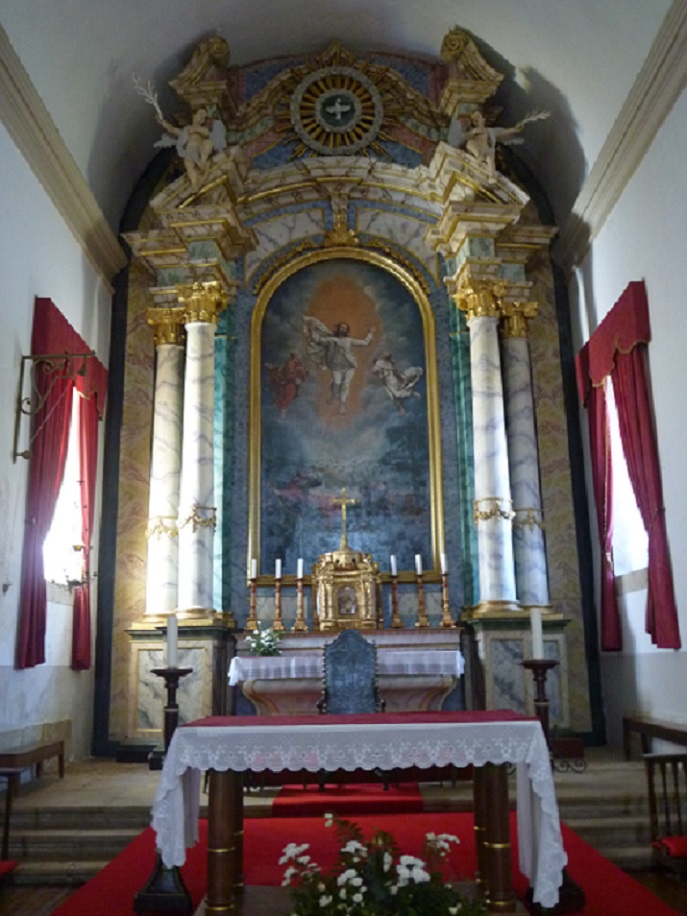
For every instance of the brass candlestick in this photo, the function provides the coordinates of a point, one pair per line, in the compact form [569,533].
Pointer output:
[277,623]
[396,622]
[446,619]
[252,622]
[422,618]
[299,624]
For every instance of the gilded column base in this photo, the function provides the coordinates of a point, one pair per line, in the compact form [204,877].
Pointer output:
[492,609]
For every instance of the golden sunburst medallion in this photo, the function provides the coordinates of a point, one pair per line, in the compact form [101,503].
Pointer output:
[336,111]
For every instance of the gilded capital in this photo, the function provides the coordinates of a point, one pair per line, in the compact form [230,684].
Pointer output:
[481,298]
[516,316]
[202,302]
[167,325]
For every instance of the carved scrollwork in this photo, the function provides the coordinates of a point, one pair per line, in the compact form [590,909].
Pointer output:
[529,517]
[160,525]
[491,507]
[197,519]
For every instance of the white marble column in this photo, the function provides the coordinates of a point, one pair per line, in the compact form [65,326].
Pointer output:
[165,463]
[197,510]
[528,529]
[493,507]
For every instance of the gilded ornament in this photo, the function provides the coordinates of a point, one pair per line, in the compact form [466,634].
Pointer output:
[167,325]
[161,525]
[481,298]
[529,518]
[196,520]
[202,302]
[494,508]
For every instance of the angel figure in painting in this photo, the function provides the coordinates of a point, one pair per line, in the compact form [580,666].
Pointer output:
[399,384]
[333,350]
[480,141]
[195,143]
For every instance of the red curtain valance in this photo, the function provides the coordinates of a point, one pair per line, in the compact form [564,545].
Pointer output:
[52,334]
[625,326]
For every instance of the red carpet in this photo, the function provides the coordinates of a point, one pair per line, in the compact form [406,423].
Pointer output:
[347,800]
[609,891]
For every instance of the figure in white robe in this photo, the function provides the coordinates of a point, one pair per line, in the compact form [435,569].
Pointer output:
[333,350]
[399,384]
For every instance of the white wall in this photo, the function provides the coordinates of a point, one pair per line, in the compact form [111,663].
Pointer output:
[646,238]
[38,257]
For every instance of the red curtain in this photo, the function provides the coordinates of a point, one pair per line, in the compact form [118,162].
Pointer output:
[617,349]
[51,335]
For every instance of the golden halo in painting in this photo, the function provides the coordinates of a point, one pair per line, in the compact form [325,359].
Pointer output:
[337,111]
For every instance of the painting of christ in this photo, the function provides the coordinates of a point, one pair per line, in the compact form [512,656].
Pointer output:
[343,403]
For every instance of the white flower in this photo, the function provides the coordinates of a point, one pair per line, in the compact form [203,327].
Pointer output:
[293,851]
[387,861]
[328,819]
[357,898]
[347,876]
[325,900]
[353,846]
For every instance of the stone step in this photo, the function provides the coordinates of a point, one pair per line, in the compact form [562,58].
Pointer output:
[614,831]
[66,845]
[61,818]
[72,874]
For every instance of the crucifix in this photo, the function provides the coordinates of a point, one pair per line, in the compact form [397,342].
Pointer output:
[344,503]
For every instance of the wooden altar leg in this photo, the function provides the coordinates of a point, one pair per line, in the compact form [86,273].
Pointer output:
[479,794]
[500,896]
[225,843]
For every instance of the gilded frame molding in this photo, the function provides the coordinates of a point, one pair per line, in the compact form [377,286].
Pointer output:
[411,283]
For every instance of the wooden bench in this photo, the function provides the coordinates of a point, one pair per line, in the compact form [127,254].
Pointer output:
[648,728]
[12,762]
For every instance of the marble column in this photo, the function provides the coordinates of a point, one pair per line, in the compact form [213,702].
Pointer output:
[197,511]
[165,462]
[493,512]
[528,529]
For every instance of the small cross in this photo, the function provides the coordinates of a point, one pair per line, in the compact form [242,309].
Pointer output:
[344,503]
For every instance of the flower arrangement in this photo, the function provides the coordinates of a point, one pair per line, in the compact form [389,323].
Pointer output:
[264,641]
[373,879]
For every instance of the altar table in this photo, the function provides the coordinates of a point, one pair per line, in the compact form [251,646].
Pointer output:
[396,662]
[227,747]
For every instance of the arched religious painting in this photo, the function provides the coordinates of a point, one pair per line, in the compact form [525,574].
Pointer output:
[343,364]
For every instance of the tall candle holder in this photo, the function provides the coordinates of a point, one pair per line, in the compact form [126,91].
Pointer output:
[252,622]
[165,891]
[396,622]
[540,668]
[277,623]
[299,624]
[446,619]
[422,618]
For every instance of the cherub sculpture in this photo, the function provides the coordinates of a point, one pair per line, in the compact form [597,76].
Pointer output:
[480,141]
[195,143]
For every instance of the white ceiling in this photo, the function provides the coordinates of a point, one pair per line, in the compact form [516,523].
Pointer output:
[577,58]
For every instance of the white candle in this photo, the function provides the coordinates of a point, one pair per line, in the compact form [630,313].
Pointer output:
[443,564]
[392,559]
[537,633]
[299,568]
[418,564]
[277,569]
[172,641]
[254,568]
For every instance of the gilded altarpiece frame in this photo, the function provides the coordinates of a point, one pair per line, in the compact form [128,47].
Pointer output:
[335,407]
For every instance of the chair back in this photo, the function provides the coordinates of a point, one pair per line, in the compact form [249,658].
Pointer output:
[350,676]
[667,789]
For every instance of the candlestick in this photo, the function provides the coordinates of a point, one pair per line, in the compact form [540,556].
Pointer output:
[537,633]
[277,569]
[418,564]
[392,560]
[172,640]
[422,619]
[396,622]
[446,619]
[277,623]
[299,623]
[252,622]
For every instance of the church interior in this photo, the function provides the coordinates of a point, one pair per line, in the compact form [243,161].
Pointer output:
[344,298]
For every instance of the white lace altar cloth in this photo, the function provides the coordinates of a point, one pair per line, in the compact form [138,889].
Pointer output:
[389,662]
[384,740]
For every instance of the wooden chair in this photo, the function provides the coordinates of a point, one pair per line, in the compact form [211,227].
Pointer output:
[350,681]
[667,787]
